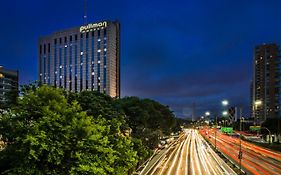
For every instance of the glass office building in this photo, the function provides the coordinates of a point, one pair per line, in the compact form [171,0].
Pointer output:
[82,58]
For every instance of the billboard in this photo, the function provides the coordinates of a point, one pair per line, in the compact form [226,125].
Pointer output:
[255,128]
[227,129]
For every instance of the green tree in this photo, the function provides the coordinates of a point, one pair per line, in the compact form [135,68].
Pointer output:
[148,119]
[45,134]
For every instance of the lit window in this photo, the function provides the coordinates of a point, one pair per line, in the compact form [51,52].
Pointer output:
[81,53]
[56,72]
[99,78]
[65,45]
[104,49]
[60,66]
[104,66]
[93,73]
[99,50]
[99,40]
[41,74]
[98,61]
[60,77]
[81,64]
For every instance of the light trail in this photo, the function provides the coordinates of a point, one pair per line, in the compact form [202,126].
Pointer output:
[256,160]
[190,154]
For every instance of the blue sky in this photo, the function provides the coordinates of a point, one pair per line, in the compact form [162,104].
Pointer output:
[176,52]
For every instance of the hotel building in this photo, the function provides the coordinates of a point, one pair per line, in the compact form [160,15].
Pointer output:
[82,58]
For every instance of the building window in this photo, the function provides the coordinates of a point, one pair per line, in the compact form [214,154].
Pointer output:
[44,49]
[40,50]
[49,47]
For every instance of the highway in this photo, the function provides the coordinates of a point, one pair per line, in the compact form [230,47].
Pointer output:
[255,160]
[189,154]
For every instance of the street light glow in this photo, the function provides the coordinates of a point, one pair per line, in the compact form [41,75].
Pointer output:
[207,113]
[224,113]
[224,102]
[258,102]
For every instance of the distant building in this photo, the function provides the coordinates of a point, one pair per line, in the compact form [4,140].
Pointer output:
[266,97]
[8,85]
[82,58]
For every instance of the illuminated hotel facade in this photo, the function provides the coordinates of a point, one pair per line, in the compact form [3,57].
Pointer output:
[82,58]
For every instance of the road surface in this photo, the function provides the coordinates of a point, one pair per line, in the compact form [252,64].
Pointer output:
[188,155]
[255,160]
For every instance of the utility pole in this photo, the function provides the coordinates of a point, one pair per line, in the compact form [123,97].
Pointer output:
[193,111]
[240,154]
[216,126]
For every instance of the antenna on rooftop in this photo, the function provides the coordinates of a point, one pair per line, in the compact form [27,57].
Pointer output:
[85,12]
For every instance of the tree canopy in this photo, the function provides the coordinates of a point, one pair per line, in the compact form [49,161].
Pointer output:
[44,134]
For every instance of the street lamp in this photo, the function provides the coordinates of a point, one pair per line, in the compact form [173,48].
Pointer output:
[256,104]
[224,113]
[207,113]
[224,102]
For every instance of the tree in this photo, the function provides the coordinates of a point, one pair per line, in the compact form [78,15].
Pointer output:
[148,119]
[45,134]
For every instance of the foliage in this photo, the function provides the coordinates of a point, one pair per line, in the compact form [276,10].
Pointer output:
[10,99]
[47,135]
[148,119]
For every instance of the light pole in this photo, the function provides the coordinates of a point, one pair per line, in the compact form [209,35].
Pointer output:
[207,114]
[240,153]
[224,102]
[269,138]
[256,104]
[224,113]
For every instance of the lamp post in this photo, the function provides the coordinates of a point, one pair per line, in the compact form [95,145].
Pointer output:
[224,102]
[269,134]
[224,113]
[240,153]
[207,114]
[256,104]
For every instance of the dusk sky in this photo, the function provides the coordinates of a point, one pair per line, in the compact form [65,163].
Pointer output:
[176,52]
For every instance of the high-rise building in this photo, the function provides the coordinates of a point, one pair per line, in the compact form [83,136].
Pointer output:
[266,97]
[8,86]
[82,58]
